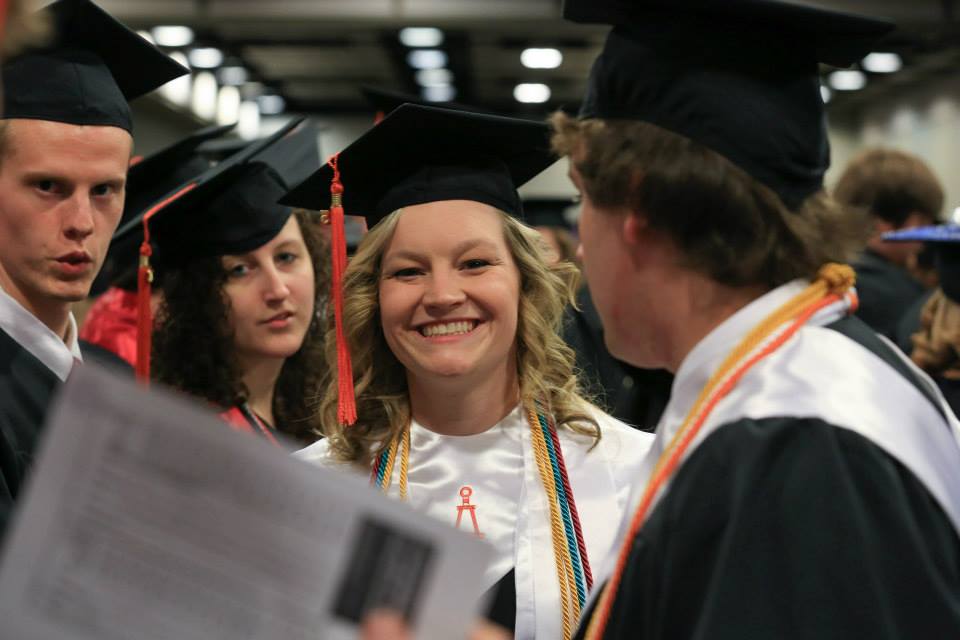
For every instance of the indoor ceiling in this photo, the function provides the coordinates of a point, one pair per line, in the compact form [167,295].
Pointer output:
[316,54]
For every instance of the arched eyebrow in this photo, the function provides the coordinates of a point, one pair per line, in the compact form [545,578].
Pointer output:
[458,249]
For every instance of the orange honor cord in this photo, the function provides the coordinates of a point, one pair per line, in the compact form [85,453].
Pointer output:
[144,281]
[830,287]
[346,402]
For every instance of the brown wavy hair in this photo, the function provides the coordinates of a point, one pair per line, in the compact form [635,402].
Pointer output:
[890,185]
[202,363]
[545,364]
[728,225]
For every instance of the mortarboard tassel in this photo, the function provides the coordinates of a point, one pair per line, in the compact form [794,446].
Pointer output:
[144,281]
[346,402]
[144,316]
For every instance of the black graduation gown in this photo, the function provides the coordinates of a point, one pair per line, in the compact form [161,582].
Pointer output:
[26,387]
[909,322]
[793,528]
[885,292]
[951,392]
[634,396]
[722,557]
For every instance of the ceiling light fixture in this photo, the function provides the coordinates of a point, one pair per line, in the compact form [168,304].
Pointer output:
[205,58]
[531,93]
[847,80]
[233,76]
[178,90]
[444,93]
[434,77]
[878,62]
[427,59]
[228,105]
[535,58]
[204,98]
[271,105]
[421,37]
[172,35]
[248,124]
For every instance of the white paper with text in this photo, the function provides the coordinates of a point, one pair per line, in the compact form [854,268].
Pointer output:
[149,518]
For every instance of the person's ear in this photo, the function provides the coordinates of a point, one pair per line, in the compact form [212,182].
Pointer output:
[635,228]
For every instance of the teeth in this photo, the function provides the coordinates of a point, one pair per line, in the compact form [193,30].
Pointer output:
[448,328]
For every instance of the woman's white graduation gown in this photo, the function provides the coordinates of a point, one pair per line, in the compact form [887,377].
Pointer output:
[492,483]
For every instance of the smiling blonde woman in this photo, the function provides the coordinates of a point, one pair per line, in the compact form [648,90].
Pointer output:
[467,403]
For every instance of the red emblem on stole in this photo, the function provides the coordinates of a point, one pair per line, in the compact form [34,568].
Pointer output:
[465,493]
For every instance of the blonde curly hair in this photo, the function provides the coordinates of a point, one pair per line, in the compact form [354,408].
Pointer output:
[545,364]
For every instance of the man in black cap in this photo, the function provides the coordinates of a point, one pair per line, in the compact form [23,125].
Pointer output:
[805,478]
[65,144]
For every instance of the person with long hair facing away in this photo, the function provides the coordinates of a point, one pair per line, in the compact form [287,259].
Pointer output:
[467,405]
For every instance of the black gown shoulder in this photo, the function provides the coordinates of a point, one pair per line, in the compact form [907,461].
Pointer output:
[791,528]
[26,387]
[885,291]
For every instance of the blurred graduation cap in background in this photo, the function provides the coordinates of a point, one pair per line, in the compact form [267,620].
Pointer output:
[737,76]
[294,160]
[87,73]
[945,240]
[223,148]
[289,154]
[549,212]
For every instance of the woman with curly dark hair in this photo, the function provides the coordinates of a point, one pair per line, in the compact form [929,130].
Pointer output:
[239,325]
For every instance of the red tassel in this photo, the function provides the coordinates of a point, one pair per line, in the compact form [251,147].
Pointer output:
[144,315]
[346,402]
[144,280]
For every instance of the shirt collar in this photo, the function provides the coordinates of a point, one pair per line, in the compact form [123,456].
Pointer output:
[704,359]
[56,353]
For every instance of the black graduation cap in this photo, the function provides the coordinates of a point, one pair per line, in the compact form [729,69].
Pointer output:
[421,154]
[945,241]
[547,212]
[233,213]
[89,72]
[384,101]
[147,181]
[296,156]
[233,209]
[737,76]
[217,150]
[294,161]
